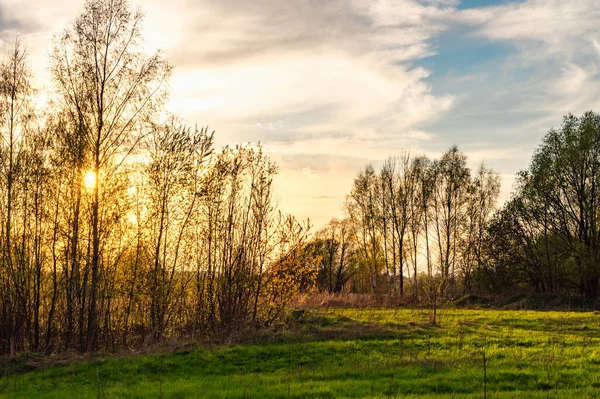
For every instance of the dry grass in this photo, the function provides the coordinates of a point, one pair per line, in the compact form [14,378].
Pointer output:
[327,300]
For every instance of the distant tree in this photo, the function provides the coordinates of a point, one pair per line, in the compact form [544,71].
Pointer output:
[362,206]
[451,179]
[333,247]
[481,204]
[398,186]
[418,209]
[431,215]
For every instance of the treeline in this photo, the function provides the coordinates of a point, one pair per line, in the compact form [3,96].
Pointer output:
[430,230]
[547,236]
[119,226]
[415,228]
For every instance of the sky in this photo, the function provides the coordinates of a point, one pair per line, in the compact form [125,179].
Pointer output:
[329,86]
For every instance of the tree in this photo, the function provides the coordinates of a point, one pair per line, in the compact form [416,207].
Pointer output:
[365,214]
[555,211]
[398,186]
[16,116]
[418,212]
[108,89]
[451,179]
[177,157]
[333,247]
[481,203]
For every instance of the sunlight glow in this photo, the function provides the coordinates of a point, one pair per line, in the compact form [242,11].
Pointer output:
[132,218]
[89,180]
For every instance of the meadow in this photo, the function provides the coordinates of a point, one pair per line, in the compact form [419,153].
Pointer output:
[353,353]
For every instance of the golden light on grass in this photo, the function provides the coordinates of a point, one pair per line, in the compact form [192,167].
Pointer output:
[89,180]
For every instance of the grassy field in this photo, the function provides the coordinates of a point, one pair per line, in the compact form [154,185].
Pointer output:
[354,353]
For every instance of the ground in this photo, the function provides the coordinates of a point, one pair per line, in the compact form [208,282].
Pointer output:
[355,353]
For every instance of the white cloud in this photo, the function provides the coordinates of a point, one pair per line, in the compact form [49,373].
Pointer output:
[549,21]
[558,41]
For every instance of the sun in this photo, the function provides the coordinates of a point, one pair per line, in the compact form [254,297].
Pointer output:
[89,180]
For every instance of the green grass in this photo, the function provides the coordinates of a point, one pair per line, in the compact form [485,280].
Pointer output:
[355,353]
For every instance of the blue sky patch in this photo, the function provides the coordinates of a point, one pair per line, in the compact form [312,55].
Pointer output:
[465,4]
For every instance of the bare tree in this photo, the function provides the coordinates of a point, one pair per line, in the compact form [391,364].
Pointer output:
[177,155]
[334,247]
[364,212]
[451,181]
[15,117]
[481,204]
[107,87]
